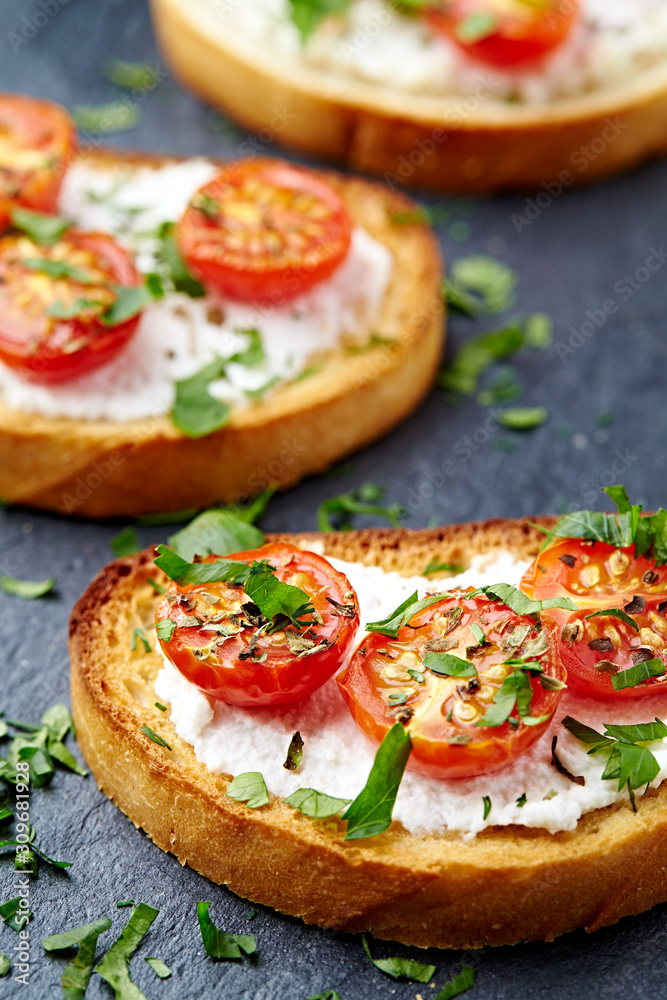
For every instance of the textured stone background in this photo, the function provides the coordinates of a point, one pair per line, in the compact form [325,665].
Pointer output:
[569,260]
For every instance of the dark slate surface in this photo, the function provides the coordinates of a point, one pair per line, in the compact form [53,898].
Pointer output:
[571,258]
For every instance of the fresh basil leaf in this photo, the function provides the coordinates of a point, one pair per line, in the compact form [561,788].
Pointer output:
[477,632]
[476,26]
[523,418]
[631,765]
[5,965]
[170,257]
[216,533]
[129,303]
[585,734]
[5,814]
[249,788]
[61,311]
[161,970]
[125,543]
[370,813]
[42,229]
[403,614]
[327,995]
[187,573]
[638,673]
[155,737]
[118,116]
[114,967]
[129,75]
[517,690]
[616,613]
[196,413]
[439,567]
[488,805]
[57,269]
[613,529]
[27,589]
[275,598]
[13,915]
[477,355]
[619,495]
[643,732]
[58,751]
[449,665]
[165,629]
[337,513]
[489,280]
[522,605]
[400,968]
[315,804]
[307,14]
[458,985]
[538,331]
[220,944]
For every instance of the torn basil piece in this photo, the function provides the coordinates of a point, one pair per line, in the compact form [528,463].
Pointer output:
[315,804]
[249,788]
[220,944]
[400,968]
[370,813]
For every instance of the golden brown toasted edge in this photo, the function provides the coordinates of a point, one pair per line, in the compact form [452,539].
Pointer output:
[422,141]
[104,469]
[501,887]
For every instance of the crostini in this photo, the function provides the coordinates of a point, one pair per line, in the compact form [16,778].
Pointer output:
[177,332]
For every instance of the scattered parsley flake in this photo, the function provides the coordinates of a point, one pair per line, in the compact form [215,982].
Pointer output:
[125,543]
[487,805]
[161,970]
[220,944]
[400,968]
[523,418]
[315,804]
[458,985]
[155,737]
[308,14]
[27,589]
[336,513]
[42,229]
[139,636]
[118,116]
[250,788]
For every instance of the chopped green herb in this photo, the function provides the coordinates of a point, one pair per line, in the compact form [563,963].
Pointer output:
[294,752]
[503,388]
[27,589]
[370,813]
[523,418]
[129,75]
[5,814]
[629,763]
[477,632]
[257,395]
[125,543]
[173,266]
[487,805]
[119,116]
[124,902]
[5,964]
[336,513]
[477,355]
[43,229]
[216,532]
[604,419]
[155,737]
[475,27]
[139,636]
[400,968]
[327,995]
[187,573]
[416,675]
[538,331]
[157,587]
[220,944]
[637,674]
[491,282]
[397,698]
[61,311]
[129,302]
[315,804]
[615,613]
[14,914]
[57,269]
[438,567]
[76,975]
[276,600]
[627,527]
[392,625]
[515,692]
[521,801]
[252,355]
[307,14]
[161,970]
[449,665]
[523,605]
[196,413]
[165,629]
[114,967]
[458,985]
[249,788]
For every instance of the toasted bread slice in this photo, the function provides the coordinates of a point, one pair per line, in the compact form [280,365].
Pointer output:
[424,141]
[503,886]
[99,468]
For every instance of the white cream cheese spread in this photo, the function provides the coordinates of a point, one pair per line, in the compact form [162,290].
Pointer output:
[371,41]
[338,757]
[179,335]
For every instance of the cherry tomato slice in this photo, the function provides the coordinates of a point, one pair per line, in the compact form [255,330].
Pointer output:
[265,231]
[250,666]
[595,650]
[51,303]
[37,139]
[505,33]
[595,575]
[387,679]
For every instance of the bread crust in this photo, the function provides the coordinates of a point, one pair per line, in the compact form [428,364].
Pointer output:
[423,141]
[105,469]
[503,886]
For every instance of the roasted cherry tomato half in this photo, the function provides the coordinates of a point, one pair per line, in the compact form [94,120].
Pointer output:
[505,33]
[397,679]
[595,575]
[224,645]
[597,651]
[53,300]
[37,139]
[265,231]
